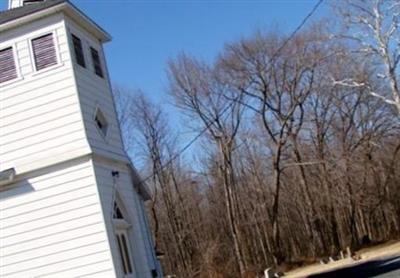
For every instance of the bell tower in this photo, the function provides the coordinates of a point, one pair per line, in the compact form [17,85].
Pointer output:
[71,202]
[19,3]
[12,4]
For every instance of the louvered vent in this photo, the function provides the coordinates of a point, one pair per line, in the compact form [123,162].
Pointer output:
[8,70]
[44,52]
[27,2]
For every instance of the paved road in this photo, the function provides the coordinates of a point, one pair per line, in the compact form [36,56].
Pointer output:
[383,268]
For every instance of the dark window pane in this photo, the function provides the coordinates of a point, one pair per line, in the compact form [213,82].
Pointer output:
[44,52]
[79,57]
[121,253]
[96,62]
[101,122]
[126,251]
[8,70]
[117,212]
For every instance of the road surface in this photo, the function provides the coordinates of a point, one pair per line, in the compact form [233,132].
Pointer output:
[382,268]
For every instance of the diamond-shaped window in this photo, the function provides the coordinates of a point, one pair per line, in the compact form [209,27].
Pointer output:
[101,122]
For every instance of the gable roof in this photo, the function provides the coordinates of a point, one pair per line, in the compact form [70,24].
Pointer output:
[33,11]
[9,15]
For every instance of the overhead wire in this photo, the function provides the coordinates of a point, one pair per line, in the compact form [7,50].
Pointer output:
[204,130]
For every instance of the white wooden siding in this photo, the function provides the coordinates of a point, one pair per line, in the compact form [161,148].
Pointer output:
[137,237]
[40,117]
[55,229]
[55,221]
[94,92]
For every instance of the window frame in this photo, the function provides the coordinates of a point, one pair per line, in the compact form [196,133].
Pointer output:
[100,62]
[125,252]
[121,229]
[13,46]
[56,47]
[73,37]
[98,111]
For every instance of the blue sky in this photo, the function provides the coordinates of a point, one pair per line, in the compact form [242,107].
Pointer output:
[147,33]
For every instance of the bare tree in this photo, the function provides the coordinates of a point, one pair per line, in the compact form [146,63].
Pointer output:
[286,167]
[373,27]
[277,84]
[199,91]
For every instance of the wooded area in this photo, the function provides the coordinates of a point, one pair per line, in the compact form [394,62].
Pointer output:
[298,154]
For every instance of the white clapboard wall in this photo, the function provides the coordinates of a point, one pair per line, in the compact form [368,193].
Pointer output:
[56,217]
[52,226]
[40,118]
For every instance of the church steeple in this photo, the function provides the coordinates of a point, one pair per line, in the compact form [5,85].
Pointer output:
[19,3]
[62,160]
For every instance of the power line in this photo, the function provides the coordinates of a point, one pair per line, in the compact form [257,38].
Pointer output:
[188,145]
[191,142]
[303,22]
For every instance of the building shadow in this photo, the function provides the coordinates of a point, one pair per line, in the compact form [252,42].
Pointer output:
[16,189]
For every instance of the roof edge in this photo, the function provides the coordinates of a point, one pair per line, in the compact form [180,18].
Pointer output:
[65,7]
[105,35]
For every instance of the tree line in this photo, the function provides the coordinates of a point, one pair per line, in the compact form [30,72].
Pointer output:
[298,149]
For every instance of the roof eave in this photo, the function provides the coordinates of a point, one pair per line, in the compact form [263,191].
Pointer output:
[87,23]
[140,185]
[67,8]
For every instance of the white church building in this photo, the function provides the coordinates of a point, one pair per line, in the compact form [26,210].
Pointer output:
[71,203]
